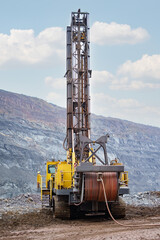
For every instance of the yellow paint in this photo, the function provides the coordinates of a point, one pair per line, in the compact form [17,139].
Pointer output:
[63,176]
[51,187]
[68,156]
[49,172]
[73,160]
[58,175]
[41,187]
[38,179]
[124,178]
[90,153]
[115,162]
[73,165]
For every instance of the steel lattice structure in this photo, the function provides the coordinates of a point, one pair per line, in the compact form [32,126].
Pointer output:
[78,74]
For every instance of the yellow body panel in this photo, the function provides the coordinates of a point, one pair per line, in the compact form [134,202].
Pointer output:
[63,176]
[59,175]
[123,176]
[124,179]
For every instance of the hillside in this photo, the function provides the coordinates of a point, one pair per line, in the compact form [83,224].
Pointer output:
[32,131]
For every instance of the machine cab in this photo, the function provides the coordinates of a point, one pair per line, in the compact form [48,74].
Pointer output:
[50,171]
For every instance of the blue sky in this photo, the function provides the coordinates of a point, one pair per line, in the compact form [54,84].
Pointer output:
[125,54]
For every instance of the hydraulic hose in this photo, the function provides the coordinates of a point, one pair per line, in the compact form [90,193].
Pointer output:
[82,193]
[121,224]
[65,148]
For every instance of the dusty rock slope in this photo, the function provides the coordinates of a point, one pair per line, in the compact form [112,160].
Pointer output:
[32,131]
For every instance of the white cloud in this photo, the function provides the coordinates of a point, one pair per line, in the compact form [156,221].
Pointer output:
[113,33]
[57,83]
[129,109]
[146,67]
[115,103]
[52,96]
[106,105]
[58,90]
[102,77]
[23,46]
[141,74]
[133,85]
[56,98]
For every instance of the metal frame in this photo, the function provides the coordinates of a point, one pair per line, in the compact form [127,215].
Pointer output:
[78,74]
[85,143]
[123,190]
[89,167]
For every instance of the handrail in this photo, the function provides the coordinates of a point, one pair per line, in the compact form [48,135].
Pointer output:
[51,187]
[41,184]
[41,187]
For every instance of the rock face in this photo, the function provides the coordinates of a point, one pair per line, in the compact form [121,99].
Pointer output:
[138,148]
[32,131]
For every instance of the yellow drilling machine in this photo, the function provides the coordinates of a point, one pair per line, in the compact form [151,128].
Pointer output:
[73,187]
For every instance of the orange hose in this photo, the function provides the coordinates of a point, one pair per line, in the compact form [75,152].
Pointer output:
[121,224]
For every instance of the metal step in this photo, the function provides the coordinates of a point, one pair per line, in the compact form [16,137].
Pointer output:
[45,201]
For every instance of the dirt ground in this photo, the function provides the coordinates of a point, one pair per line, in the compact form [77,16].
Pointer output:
[42,225]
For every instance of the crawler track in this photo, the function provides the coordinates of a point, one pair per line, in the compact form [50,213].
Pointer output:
[61,208]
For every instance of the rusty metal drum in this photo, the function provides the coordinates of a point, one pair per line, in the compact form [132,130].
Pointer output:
[94,189]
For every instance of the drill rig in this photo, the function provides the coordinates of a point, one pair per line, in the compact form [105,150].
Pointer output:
[72,185]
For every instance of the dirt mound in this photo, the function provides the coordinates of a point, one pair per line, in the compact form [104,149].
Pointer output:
[139,211]
[45,217]
[34,219]
[23,218]
[42,225]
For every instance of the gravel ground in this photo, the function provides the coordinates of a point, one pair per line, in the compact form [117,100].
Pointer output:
[27,203]
[23,218]
[21,204]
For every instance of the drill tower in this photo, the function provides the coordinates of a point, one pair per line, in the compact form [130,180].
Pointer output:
[73,186]
[78,74]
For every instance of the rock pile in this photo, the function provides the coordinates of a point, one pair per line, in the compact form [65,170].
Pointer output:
[28,203]
[145,199]
[21,204]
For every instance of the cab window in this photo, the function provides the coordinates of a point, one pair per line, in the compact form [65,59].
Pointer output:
[51,168]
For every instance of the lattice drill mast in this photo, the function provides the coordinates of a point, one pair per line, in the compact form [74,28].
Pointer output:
[78,73]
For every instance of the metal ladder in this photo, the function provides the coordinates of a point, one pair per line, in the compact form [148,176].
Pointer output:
[45,199]
[45,193]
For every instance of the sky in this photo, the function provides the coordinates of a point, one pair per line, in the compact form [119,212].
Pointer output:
[125,54]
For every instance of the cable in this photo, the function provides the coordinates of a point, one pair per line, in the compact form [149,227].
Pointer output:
[65,148]
[82,193]
[121,224]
